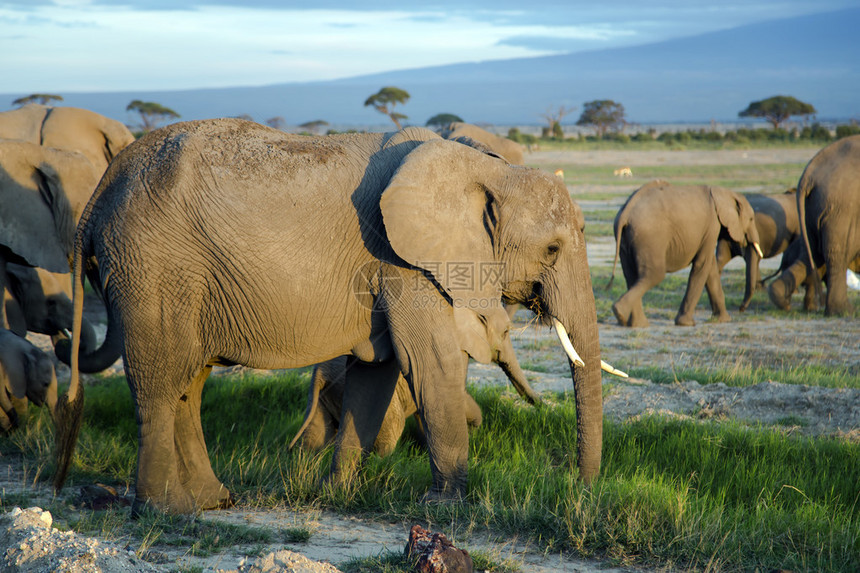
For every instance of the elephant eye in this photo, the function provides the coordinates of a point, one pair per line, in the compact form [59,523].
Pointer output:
[552,252]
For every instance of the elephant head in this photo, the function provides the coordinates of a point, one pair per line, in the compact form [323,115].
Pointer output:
[25,373]
[518,235]
[42,301]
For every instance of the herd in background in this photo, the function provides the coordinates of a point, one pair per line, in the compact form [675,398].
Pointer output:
[52,158]
[663,228]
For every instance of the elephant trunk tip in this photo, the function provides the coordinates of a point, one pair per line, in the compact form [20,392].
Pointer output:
[67,426]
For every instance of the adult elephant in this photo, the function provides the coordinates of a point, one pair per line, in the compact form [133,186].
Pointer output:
[828,205]
[777,225]
[486,338]
[508,149]
[663,228]
[43,192]
[97,137]
[224,242]
[41,301]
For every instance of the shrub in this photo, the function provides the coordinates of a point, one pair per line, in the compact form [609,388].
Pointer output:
[847,130]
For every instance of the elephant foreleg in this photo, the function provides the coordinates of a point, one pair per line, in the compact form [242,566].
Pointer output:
[192,458]
[695,285]
[715,294]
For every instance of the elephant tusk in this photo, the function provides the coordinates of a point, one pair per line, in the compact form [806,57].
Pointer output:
[565,342]
[65,332]
[606,367]
[758,250]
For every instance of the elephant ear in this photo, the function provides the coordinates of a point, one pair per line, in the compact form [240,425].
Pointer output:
[440,216]
[729,207]
[473,335]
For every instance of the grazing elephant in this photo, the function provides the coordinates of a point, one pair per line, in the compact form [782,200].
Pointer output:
[663,228]
[43,192]
[25,372]
[777,225]
[484,338]
[228,242]
[507,148]
[41,301]
[792,273]
[97,137]
[828,207]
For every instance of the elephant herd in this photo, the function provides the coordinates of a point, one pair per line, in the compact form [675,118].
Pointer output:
[388,260]
[663,228]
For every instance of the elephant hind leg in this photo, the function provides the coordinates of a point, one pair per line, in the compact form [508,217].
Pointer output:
[192,458]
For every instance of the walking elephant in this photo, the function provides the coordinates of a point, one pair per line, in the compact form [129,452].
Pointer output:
[663,228]
[485,338]
[228,242]
[97,137]
[777,225]
[507,148]
[43,192]
[25,373]
[41,301]
[828,206]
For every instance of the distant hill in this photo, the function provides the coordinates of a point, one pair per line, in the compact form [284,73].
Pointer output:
[694,79]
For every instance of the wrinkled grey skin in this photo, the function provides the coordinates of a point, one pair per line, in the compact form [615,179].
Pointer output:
[207,238]
[41,301]
[97,137]
[25,373]
[507,148]
[42,195]
[486,340]
[662,228]
[828,205]
[777,225]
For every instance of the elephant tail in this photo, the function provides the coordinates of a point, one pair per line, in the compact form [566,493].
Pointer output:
[70,407]
[620,223]
[803,190]
[313,404]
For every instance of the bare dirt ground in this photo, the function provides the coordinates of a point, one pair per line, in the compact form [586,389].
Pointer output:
[747,342]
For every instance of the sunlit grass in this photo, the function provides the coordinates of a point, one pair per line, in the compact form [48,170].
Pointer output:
[671,492]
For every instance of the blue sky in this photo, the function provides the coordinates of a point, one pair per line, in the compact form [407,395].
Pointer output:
[58,46]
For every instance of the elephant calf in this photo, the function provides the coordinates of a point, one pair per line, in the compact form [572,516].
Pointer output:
[663,228]
[484,337]
[25,372]
[777,225]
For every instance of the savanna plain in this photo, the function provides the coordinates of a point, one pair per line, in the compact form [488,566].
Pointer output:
[731,447]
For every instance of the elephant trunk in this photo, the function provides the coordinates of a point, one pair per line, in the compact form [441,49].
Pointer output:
[517,377]
[752,258]
[91,358]
[574,309]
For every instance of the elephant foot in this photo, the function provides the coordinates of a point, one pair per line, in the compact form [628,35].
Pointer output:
[173,503]
[220,498]
[684,321]
[448,496]
[726,317]
[620,316]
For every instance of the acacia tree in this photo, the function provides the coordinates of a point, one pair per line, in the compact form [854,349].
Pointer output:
[443,119]
[384,101]
[43,99]
[553,118]
[314,126]
[777,109]
[603,115]
[277,122]
[151,113]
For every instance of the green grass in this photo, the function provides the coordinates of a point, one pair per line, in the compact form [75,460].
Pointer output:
[671,492]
